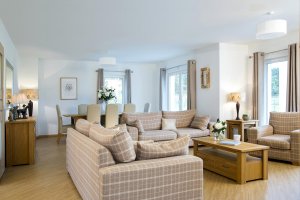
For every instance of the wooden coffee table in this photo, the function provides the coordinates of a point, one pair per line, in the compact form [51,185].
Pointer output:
[232,161]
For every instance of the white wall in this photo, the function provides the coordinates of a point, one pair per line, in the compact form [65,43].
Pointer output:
[233,78]
[144,88]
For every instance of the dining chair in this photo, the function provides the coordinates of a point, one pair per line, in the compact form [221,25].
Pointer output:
[82,109]
[129,108]
[147,107]
[61,128]
[111,115]
[94,113]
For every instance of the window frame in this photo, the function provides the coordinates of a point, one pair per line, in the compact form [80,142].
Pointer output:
[174,71]
[120,75]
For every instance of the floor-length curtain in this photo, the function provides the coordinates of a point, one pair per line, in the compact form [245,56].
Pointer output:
[100,81]
[127,86]
[163,89]
[258,86]
[191,85]
[292,80]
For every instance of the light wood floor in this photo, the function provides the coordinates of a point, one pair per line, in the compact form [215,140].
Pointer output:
[48,179]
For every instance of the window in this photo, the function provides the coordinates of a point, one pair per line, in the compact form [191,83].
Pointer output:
[276,83]
[177,90]
[115,81]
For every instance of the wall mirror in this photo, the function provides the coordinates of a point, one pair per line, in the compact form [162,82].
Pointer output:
[9,80]
[205,77]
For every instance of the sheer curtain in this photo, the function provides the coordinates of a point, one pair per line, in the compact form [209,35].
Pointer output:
[191,84]
[100,81]
[293,80]
[163,89]
[127,88]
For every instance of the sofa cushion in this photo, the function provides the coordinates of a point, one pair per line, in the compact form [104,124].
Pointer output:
[200,122]
[138,124]
[158,135]
[142,142]
[117,141]
[183,118]
[168,124]
[276,141]
[285,122]
[83,126]
[163,149]
[150,121]
[192,132]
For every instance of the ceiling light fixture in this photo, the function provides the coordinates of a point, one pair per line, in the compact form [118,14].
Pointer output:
[107,61]
[271,29]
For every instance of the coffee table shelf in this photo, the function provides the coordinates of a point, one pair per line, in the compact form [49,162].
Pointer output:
[233,161]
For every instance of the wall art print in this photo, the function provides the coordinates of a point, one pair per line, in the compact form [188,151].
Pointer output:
[68,88]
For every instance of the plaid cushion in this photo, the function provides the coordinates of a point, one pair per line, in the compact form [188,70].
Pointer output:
[133,132]
[150,121]
[83,126]
[138,124]
[295,146]
[142,142]
[118,142]
[192,132]
[183,118]
[200,122]
[285,122]
[158,135]
[276,141]
[160,150]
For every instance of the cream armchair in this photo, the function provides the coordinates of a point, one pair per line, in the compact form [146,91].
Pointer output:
[282,135]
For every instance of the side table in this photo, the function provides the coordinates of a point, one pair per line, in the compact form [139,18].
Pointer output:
[239,126]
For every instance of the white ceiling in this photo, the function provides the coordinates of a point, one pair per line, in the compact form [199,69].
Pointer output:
[135,30]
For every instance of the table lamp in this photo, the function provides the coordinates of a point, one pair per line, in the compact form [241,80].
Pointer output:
[236,96]
[31,94]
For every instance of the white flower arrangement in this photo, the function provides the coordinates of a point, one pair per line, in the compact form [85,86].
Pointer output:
[106,94]
[218,129]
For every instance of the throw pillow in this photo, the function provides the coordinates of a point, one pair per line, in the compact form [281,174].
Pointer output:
[117,141]
[138,124]
[83,126]
[200,122]
[154,150]
[169,124]
[142,142]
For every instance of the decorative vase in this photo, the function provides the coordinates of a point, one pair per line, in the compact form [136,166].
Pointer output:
[103,106]
[245,117]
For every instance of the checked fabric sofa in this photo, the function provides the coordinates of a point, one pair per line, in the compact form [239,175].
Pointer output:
[152,124]
[97,175]
[282,135]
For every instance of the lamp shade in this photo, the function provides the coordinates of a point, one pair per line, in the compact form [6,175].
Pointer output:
[31,94]
[19,99]
[271,29]
[235,96]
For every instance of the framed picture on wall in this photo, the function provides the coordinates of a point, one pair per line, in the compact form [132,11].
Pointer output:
[68,88]
[205,77]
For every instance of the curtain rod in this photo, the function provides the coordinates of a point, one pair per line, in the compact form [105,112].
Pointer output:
[176,66]
[271,52]
[114,71]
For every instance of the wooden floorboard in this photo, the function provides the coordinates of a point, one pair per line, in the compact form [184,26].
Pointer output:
[48,179]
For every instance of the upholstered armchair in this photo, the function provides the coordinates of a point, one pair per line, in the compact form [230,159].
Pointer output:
[282,135]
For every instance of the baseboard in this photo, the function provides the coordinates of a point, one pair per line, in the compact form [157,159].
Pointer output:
[46,136]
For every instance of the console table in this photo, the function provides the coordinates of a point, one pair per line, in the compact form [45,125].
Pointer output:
[240,126]
[20,141]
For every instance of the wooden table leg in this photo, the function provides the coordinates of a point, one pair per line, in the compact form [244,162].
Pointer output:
[195,147]
[265,164]
[241,168]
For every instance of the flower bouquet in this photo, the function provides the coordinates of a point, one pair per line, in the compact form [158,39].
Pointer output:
[106,94]
[218,130]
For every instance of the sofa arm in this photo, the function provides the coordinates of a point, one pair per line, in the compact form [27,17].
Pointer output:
[133,132]
[255,133]
[295,147]
[179,177]
[84,157]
